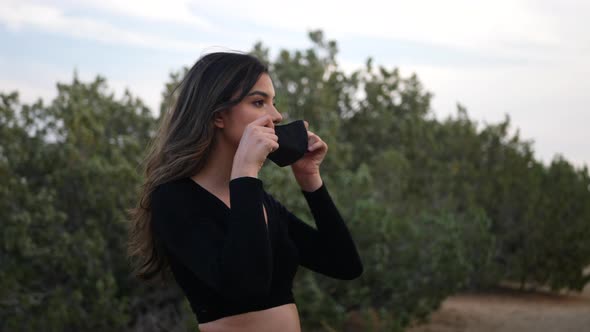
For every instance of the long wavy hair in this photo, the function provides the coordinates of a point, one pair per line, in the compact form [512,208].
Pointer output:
[184,139]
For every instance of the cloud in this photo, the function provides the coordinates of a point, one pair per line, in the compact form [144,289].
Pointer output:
[174,11]
[18,16]
[504,28]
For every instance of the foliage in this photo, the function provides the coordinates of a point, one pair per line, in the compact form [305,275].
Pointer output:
[435,206]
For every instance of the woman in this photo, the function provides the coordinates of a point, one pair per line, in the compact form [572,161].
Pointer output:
[204,214]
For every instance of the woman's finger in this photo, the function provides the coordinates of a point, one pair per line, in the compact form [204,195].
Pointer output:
[272,136]
[315,146]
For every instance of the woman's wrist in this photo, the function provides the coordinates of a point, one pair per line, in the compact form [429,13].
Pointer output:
[240,172]
[240,169]
[310,183]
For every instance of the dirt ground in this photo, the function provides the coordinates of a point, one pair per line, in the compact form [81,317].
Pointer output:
[509,310]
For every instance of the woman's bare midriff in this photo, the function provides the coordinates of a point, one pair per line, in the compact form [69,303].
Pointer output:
[284,318]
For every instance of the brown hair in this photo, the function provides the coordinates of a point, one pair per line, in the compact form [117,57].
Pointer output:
[183,142]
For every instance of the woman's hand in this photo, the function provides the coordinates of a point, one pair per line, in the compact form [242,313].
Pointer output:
[307,169]
[258,140]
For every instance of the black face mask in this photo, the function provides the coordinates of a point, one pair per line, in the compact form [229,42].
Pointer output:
[292,143]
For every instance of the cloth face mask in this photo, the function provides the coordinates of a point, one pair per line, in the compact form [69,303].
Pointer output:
[292,143]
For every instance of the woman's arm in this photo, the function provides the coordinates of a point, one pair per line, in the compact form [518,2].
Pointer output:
[329,249]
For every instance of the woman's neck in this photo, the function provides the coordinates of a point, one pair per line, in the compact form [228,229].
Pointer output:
[217,170]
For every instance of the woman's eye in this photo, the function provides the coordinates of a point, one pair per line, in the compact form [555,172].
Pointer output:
[259,103]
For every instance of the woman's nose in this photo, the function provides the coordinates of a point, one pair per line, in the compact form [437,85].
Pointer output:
[276,116]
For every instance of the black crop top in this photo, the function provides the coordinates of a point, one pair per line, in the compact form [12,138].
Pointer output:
[229,261]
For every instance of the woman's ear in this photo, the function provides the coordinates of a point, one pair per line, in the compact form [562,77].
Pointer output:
[219,119]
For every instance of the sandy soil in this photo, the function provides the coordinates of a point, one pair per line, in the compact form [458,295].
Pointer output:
[509,310]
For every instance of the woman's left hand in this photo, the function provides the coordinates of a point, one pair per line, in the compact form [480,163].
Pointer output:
[309,165]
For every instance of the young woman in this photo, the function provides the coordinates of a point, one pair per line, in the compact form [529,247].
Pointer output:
[204,215]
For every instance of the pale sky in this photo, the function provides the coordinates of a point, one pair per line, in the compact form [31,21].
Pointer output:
[528,59]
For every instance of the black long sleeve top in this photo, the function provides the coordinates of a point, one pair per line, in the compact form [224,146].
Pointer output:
[228,261]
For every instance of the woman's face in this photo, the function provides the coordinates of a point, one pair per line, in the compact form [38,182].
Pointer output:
[259,101]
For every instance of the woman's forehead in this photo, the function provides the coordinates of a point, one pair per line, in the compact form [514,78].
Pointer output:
[264,84]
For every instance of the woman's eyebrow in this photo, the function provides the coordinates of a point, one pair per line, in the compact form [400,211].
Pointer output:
[261,93]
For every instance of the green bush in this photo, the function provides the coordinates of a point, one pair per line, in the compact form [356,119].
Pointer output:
[435,207]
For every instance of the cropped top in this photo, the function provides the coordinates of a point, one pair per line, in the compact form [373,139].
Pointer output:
[229,261]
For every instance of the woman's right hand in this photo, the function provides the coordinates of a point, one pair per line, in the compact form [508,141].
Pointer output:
[258,140]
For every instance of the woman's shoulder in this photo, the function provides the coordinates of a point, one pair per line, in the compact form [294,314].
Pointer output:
[176,191]
[187,199]
[169,187]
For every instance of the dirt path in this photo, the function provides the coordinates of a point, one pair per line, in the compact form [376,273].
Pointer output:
[512,311]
